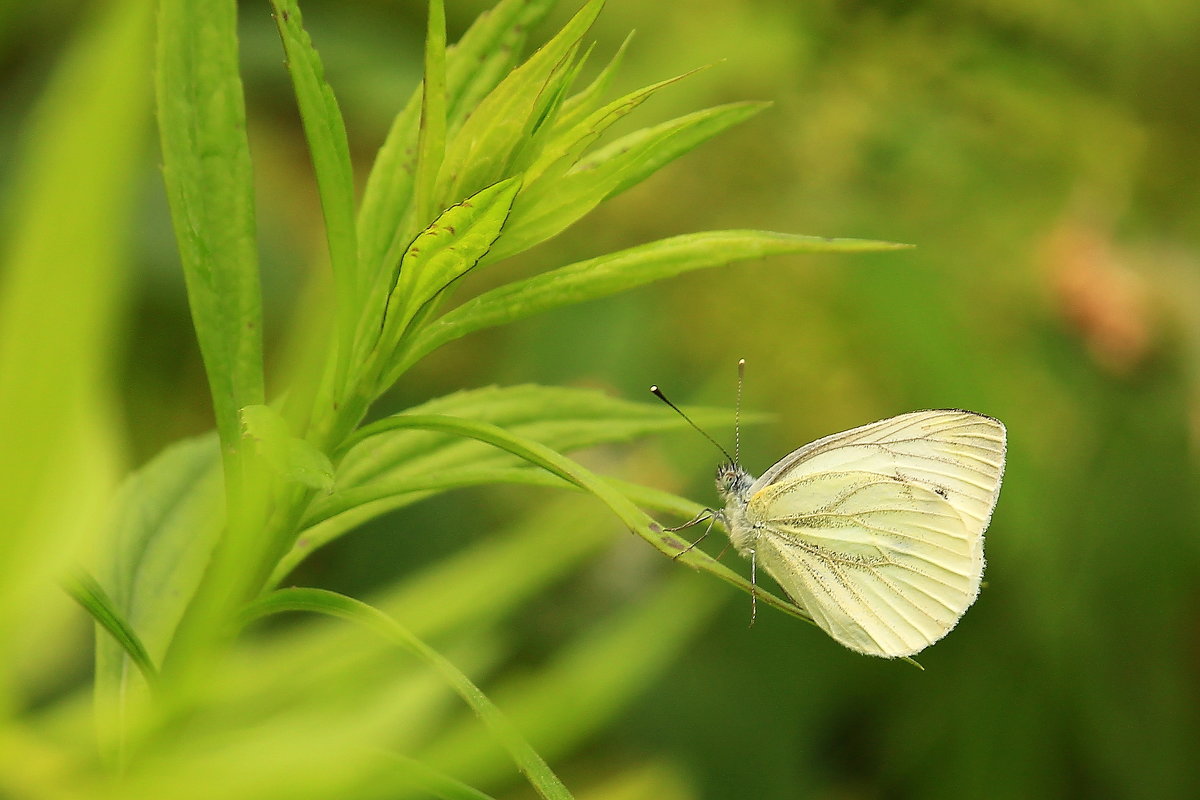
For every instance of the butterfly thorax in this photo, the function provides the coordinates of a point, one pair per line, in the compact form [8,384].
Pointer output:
[733,484]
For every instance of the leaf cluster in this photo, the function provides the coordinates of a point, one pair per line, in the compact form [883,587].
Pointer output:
[490,157]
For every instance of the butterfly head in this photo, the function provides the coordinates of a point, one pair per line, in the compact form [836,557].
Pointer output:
[733,482]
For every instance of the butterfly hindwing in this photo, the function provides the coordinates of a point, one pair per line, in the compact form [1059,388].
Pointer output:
[884,567]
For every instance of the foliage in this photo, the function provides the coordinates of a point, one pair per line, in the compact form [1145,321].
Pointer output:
[1039,152]
[489,158]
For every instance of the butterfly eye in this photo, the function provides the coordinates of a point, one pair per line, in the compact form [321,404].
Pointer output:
[725,473]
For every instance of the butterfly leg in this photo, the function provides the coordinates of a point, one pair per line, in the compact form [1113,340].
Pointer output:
[707,531]
[753,586]
[703,515]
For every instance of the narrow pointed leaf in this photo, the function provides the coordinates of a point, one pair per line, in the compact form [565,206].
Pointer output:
[90,595]
[210,187]
[388,194]
[397,469]
[431,142]
[444,252]
[74,174]
[493,41]
[320,601]
[472,73]
[167,520]
[473,68]
[545,110]
[353,507]
[450,462]
[568,145]
[587,100]
[481,151]
[548,207]
[419,487]
[560,417]
[602,669]
[666,542]
[618,272]
[325,132]
[642,153]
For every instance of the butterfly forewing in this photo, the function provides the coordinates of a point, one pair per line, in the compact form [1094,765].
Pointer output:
[957,454]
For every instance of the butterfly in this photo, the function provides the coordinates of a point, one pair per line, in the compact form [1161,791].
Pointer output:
[876,532]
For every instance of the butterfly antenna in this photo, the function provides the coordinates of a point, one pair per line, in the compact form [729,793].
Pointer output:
[737,414]
[658,393]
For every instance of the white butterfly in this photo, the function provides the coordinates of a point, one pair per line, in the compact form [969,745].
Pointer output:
[877,531]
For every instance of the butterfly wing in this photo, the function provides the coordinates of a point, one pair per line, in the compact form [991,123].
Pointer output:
[878,531]
[959,455]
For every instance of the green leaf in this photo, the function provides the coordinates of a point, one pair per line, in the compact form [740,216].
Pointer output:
[481,152]
[408,488]
[400,468]
[293,458]
[330,152]
[444,252]
[600,670]
[560,417]
[74,182]
[431,142]
[632,158]
[210,187]
[545,113]
[582,103]
[86,591]
[616,272]
[388,195]
[167,520]
[487,52]
[421,485]
[538,454]
[551,205]
[568,145]
[474,66]
[540,776]
[353,507]
[479,585]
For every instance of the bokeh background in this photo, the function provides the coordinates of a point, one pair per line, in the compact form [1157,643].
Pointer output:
[1041,155]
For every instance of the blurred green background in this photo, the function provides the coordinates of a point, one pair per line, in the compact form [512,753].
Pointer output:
[1043,157]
